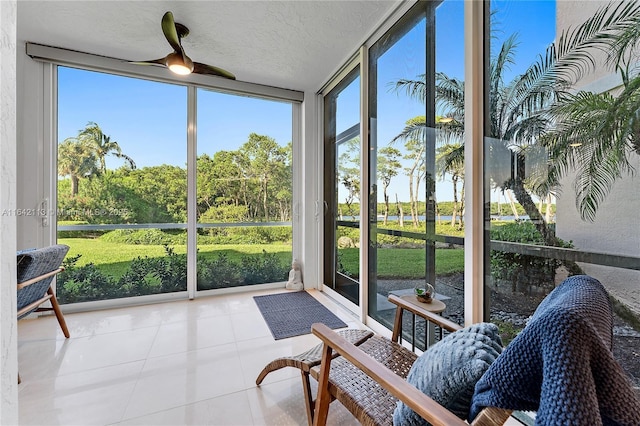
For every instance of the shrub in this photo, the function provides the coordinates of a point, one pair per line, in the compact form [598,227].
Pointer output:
[85,283]
[263,269]
[145,275]
[218,273]
[522,271]
[152,236]
[148,275]
[173,271]
[245,235]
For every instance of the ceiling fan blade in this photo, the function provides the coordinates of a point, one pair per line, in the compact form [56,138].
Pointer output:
[170,32]
[199,68]
[160,62]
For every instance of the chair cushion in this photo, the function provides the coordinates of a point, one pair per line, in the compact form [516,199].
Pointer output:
[449,370]
[32,264]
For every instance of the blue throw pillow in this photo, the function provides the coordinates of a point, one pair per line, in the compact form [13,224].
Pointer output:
[449,370]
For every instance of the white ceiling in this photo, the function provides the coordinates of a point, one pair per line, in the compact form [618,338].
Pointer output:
[289,44]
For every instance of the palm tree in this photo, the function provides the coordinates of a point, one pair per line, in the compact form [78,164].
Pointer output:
[76,159]
[103,145]
[519,111]
[448,160]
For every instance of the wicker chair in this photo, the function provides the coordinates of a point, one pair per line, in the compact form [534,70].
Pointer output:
[368,372]
[36,269]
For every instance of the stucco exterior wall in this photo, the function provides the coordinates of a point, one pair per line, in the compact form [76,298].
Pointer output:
[569,14]
[616,229]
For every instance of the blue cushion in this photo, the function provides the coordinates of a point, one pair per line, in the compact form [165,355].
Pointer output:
[449,370]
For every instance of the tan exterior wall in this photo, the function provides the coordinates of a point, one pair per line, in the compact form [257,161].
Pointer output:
[616,229]
[570,13]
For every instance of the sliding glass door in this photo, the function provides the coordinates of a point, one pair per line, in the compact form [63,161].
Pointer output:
[400,159]
[416,161]
[244,190]
[342,147]
[127,188]
[121,187]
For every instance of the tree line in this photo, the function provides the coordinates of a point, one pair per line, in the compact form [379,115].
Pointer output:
[537,114]
[252,183]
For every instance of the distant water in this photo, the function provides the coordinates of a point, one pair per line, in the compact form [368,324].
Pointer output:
[442,218]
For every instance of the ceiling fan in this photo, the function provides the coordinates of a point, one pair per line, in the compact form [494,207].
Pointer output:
[178,61]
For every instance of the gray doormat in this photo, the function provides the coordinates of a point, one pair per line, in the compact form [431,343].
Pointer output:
[291,314]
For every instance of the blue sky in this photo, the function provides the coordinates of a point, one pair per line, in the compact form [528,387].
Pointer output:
[148,119]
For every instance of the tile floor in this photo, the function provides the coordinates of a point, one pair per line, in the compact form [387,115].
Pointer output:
[177,363]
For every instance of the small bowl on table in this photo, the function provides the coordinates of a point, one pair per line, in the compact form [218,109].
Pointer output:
[424,292]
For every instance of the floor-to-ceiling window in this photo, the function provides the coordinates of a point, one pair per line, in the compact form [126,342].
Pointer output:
[342,148]
[122,186]
[156,196]
[558,181]
[416,113]
[244,190]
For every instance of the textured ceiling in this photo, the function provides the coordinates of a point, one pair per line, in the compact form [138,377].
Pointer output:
[289,44]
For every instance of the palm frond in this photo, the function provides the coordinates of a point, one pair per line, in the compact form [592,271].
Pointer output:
[599,32]
[591,138]
[450,158]
[450,95]
[132,164]
[415,130]
[449,133]
[505,57]
[415,89]
[566,61]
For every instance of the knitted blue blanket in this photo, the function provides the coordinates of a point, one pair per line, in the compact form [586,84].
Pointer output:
[561,364]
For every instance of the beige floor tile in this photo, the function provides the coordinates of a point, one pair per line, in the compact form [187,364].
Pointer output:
[185,378]
[187,362]
[195,333]
[255,354]
[227,410]
[83,353]
[282,403]
[95,397]
[249,326]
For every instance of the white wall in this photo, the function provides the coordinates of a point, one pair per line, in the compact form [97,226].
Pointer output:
[616,230]
[8,113]
[311,192]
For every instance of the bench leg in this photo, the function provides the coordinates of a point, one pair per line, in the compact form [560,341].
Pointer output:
[324,397]
[308,397]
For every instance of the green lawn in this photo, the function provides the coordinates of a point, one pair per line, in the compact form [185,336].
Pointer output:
[114,258]
[405,262]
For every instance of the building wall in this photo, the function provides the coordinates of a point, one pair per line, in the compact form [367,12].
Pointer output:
[569,13]
[8,114]
[616,229]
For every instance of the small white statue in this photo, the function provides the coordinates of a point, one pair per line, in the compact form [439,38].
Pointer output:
[295,277]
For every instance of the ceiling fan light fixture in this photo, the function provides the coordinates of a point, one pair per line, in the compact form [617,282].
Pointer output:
[177,61]
[178,64]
